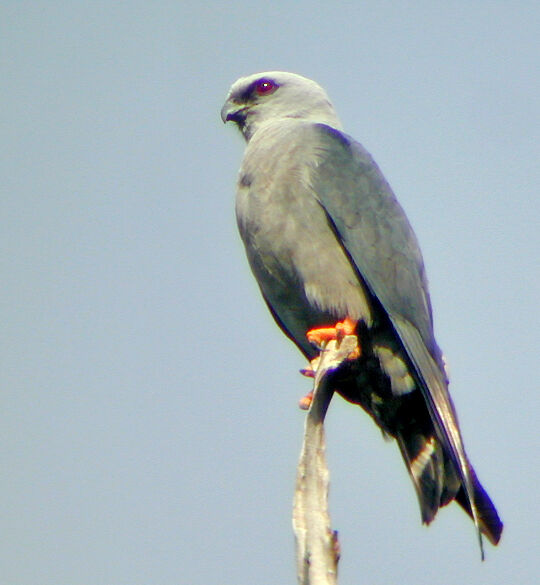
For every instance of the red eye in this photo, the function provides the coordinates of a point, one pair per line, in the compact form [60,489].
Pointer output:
[265,87]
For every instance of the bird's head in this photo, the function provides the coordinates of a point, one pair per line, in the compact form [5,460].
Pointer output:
[263,98]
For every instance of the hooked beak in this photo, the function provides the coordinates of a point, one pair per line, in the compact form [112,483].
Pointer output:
[233,112]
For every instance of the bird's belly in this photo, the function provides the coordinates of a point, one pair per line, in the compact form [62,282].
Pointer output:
[301,267]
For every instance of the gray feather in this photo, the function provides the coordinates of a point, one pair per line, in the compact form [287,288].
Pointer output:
[326,239]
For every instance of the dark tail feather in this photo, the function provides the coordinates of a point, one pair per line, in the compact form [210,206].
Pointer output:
[489,522]
[425,462]
[437,483]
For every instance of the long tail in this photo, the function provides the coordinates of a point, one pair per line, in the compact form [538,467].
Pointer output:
[437,483]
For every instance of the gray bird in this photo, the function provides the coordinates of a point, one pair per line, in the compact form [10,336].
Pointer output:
[328,242]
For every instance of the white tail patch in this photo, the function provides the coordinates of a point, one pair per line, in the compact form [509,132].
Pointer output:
[419,463]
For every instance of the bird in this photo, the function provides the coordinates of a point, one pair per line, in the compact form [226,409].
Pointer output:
[333,254]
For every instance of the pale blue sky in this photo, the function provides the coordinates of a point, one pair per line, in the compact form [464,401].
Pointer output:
[148,402]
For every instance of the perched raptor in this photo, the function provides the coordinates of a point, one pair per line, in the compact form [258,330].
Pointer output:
[328,243]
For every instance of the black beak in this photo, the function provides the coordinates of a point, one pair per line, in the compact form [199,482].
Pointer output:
[233,113]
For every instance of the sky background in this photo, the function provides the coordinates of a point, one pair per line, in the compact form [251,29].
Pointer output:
[150,429]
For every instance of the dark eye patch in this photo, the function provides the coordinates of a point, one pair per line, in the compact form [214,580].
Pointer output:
[265,87]
[260,87]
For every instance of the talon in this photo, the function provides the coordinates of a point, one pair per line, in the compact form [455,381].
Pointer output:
[310,371]
[305,402]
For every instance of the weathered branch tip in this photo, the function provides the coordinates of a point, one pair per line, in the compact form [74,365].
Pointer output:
[317,545]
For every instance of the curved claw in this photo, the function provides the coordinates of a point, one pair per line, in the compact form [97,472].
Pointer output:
[310,371]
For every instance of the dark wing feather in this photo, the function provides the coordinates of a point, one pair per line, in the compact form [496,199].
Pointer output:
[373,228]
[379,239]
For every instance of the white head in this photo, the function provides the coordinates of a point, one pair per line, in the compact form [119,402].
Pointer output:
[276,95]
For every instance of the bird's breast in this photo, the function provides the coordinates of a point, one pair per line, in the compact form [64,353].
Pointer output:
[301,267]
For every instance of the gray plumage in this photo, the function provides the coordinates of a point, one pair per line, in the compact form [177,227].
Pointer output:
[326,239]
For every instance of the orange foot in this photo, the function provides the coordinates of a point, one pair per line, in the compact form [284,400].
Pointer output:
[310,371]
[305,402]
[319,336]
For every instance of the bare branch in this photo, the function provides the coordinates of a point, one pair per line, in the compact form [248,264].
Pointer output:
[317,552]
